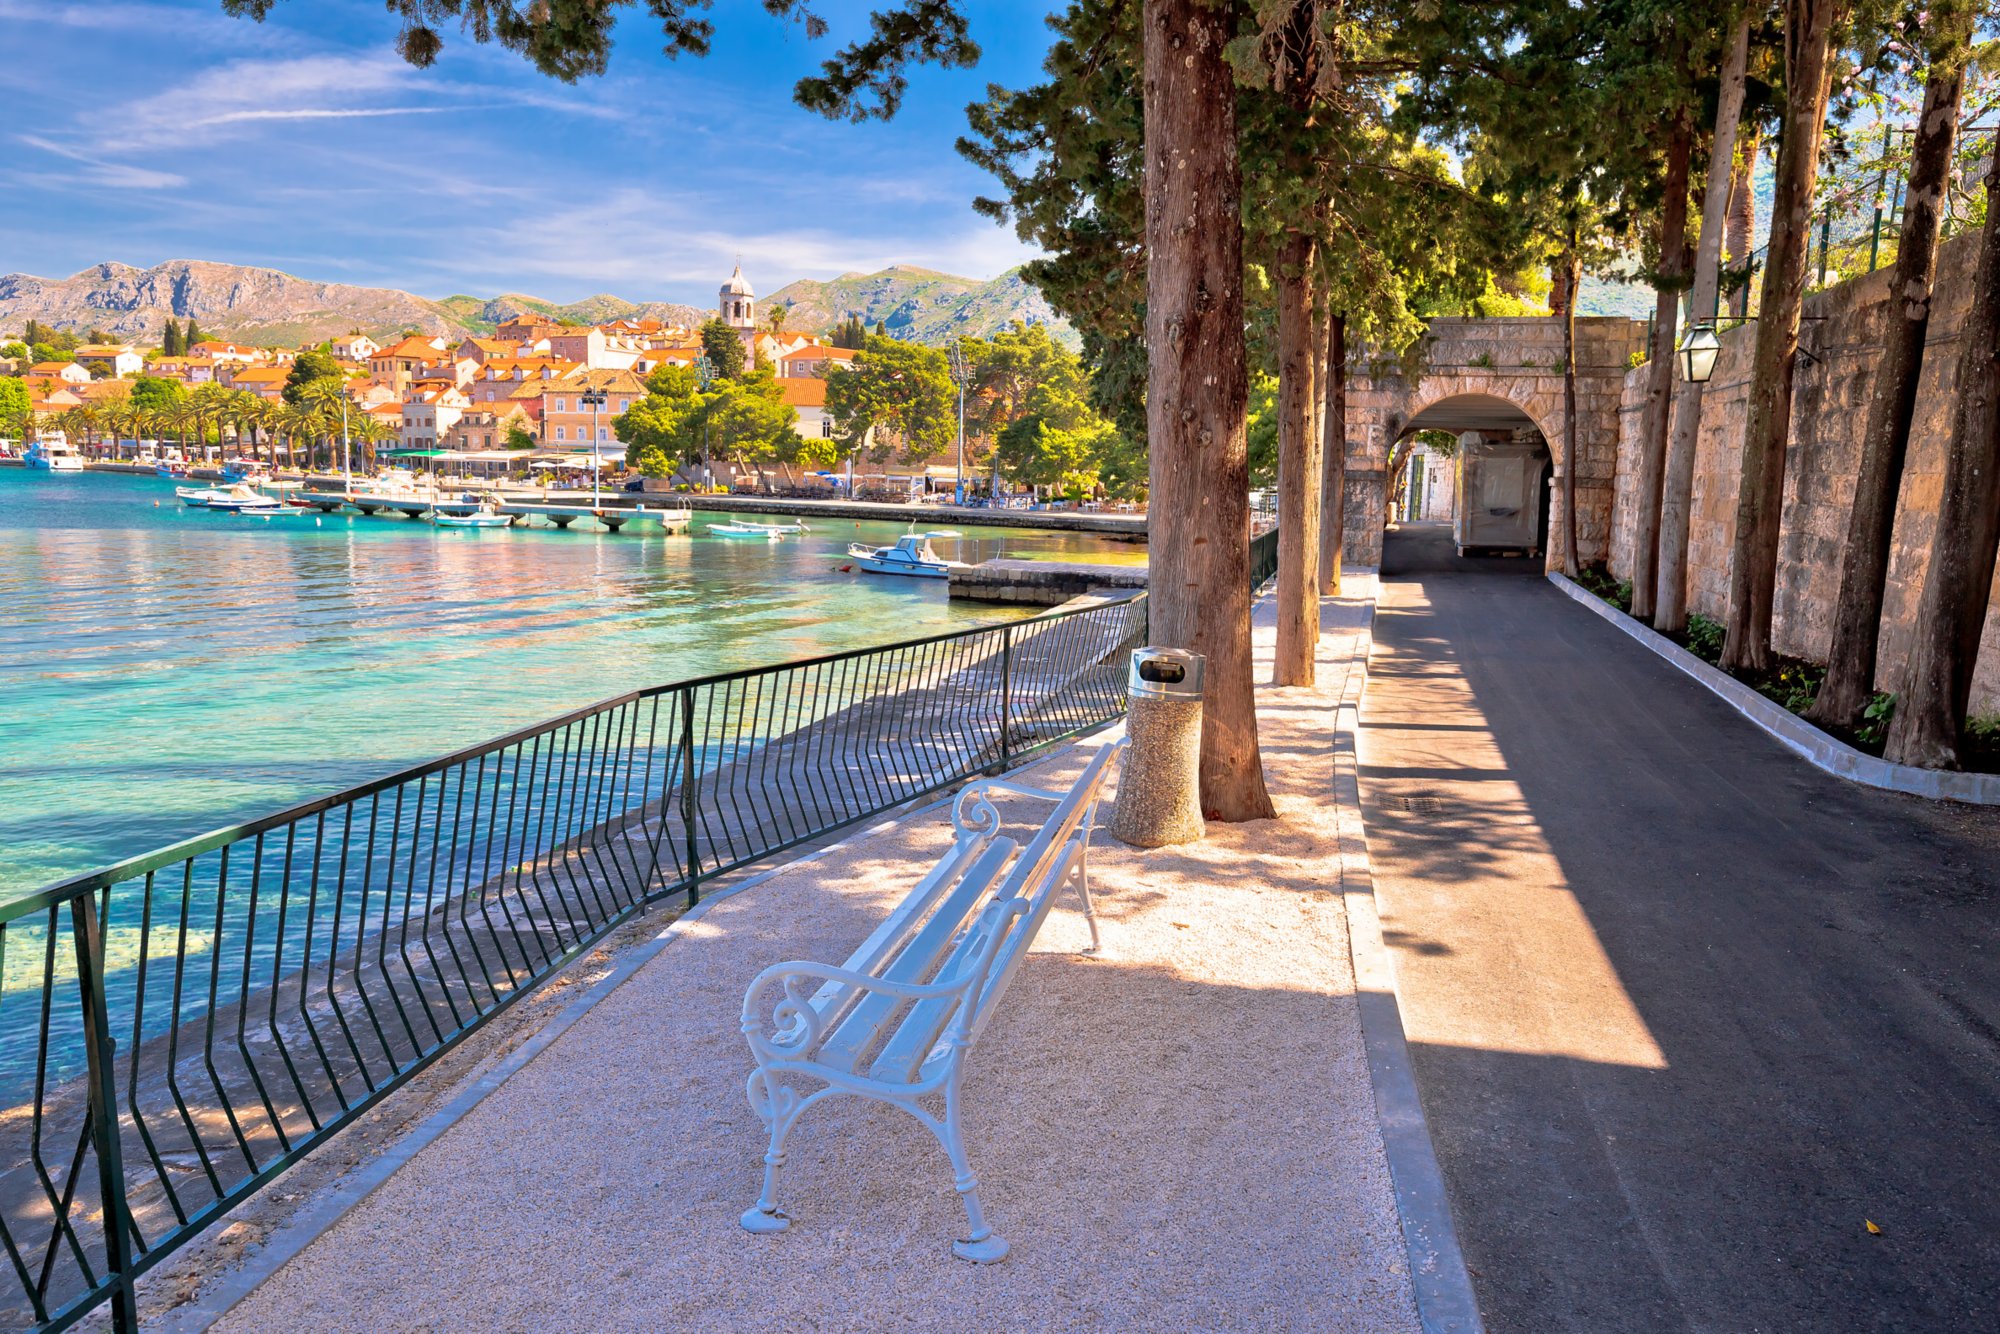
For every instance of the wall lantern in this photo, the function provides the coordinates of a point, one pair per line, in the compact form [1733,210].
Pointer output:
[1698,353]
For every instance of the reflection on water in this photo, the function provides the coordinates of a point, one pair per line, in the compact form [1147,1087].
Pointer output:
[169,670]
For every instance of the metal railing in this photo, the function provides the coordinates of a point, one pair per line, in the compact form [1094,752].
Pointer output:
[178,1029]
[1263,557]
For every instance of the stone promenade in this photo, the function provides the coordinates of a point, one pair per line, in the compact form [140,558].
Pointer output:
[1179,1134]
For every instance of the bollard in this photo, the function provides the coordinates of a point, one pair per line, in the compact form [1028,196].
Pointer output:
[1159,787]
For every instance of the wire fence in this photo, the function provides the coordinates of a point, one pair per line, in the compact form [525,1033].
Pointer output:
[177,1030]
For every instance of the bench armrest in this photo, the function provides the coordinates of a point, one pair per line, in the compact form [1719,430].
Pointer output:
[798,1025]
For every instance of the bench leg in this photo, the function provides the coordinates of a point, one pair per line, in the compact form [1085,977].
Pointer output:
[779,1107]
[980,1245]
[1081,879]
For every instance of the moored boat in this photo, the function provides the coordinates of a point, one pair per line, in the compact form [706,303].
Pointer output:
[763,532]
[912,555]
[52,454]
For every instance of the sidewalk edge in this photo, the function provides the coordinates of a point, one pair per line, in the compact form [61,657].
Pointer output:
[286,1242]
[1446,1302]
[1823,752]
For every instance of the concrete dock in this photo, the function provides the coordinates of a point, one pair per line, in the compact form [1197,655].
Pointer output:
[1040,583]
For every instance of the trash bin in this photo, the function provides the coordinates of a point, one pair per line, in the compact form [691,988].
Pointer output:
[1159,786]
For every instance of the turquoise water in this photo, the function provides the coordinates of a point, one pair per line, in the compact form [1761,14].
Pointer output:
[164,671]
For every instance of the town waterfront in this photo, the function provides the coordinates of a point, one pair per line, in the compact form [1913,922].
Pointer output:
[169,670]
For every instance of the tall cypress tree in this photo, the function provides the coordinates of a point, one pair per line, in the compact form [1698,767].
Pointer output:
[192,336]
[171,343]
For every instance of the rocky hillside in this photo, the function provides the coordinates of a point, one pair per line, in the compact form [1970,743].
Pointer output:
[919,304]
[266,306]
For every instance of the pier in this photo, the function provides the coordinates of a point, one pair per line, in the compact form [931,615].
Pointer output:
[1041,583]
[611,515]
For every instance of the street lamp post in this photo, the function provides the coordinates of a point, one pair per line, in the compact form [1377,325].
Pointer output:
[958,375]
[595,398]
[704,375]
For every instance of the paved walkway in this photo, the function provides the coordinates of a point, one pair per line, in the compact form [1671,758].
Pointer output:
[1686,1013]
[1178,1135]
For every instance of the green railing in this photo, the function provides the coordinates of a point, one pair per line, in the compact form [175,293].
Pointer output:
[1263,557]
[179,1029]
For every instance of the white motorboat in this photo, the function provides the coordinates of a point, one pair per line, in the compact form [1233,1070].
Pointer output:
[238,498]
[912,555]
[485,516]
[52,453]
[760,531]
[198,497]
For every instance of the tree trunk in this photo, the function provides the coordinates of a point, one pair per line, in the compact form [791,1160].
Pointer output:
[1677,488]
[1958,579]
[1571,265]
[1753,560]
[1298,469]
[1660,374]
[1333,459]
[1197,385]
[1742,221]
[1864,567]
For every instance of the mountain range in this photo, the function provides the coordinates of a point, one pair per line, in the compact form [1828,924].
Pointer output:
[268,307]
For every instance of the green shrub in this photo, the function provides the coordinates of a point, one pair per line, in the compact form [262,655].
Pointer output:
[1875,716]
[1704,638]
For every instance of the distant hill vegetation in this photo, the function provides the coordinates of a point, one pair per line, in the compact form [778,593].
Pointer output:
[921,305]
[266,306]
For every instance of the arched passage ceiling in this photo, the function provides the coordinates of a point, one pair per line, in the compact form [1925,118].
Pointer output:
[1470,412]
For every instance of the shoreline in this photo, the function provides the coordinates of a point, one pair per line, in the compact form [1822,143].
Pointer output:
[1128,527]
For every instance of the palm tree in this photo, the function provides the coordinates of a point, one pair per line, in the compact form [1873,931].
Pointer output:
[210,403]
[327,397]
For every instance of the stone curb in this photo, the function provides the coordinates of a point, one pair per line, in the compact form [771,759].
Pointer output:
[310,1223]
[1795,733]
[1446,1302]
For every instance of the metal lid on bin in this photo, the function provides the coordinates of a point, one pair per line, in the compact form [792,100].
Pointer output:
[1165,673]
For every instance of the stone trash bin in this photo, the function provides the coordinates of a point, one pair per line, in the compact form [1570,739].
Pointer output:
[1159,787]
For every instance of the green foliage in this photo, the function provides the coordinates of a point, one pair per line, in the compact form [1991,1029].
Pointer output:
[748,420]
[520,437]
[192,335]
[1876,715]
[901,392]
[850,333]
[18,352]
[1704,637]
[650,461]
[316,363]
[171,342]
[1262,421]
[723,349]
[13,406]
[150,393]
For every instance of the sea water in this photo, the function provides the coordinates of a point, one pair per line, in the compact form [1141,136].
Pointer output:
[165,671]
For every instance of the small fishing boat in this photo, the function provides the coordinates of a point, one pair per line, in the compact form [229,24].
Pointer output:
[199,497]
[912,555]
[486,516]
[175,471]
[762,531]
[243,470]
[240,497]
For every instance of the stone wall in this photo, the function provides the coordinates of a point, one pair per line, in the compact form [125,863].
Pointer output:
[1844,329]
[1519,360]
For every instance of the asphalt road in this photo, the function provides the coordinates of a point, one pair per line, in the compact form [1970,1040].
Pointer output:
[1687,1015]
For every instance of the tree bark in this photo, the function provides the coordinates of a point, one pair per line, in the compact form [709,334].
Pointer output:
[1333,459]
[1298,469]
[1197,385]
[1743,212]
[1885,442]
[1660,373]
[1572,278]
[1958,580]
[1753,561]
[1677,483]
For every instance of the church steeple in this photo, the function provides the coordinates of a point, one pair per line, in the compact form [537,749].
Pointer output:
[736,303]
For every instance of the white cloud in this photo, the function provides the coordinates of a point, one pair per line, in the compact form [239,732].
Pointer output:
[97,171]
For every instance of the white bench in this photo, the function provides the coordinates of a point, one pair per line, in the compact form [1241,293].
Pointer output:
[895,1021]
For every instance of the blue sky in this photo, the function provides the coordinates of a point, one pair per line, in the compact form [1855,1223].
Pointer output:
[146,130]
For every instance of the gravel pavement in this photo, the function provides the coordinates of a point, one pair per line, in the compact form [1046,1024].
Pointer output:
[1179,1134]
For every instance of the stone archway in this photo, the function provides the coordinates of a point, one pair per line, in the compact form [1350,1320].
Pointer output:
[1494,374]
